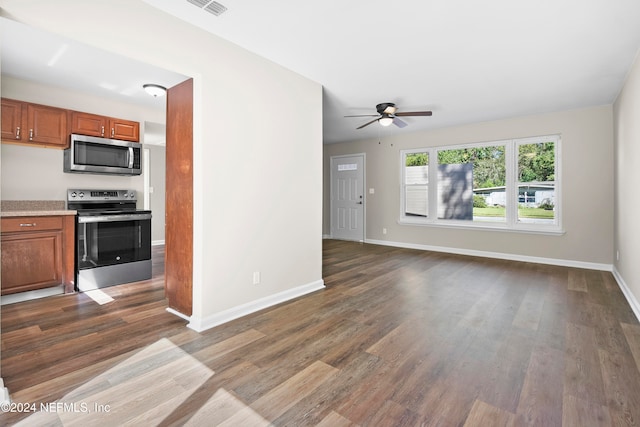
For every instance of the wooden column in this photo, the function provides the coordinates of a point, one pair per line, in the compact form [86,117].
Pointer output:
[179,198]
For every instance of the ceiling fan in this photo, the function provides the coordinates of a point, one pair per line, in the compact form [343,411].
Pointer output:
[387,114]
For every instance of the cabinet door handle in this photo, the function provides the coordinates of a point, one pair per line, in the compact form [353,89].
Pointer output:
[32,224]
[30,134]
[18,132]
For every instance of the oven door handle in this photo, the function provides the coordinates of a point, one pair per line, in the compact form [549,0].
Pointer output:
[112,218]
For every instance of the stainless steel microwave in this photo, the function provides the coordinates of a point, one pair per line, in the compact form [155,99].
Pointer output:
[90,154]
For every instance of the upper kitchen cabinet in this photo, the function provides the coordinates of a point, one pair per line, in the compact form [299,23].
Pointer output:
[11,119]
[105,127]
[89,124]
[34,124]
[47,126]
[126,130]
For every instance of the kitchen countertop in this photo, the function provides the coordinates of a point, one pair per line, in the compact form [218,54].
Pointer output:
[11,208]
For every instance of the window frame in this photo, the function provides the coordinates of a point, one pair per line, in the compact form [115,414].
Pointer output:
[511,222]
[404,185]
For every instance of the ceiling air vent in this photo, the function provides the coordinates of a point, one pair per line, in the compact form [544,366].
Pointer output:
[210,6]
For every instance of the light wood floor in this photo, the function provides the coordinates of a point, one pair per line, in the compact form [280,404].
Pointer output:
[398,337]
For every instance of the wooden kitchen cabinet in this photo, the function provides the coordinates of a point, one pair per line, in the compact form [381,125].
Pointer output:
[37,253]
[34,124]
[106,127]
[126,130]
[12,119]
[47,126]
[89,124]
[41,125]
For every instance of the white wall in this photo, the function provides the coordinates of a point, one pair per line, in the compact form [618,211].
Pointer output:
[627,179]
[4,393]
[242,141]
[587,164]
[157,154]
[35,173]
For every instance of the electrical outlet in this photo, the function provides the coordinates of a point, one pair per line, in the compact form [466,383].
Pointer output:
[617,255]
[384,231]
[256,277]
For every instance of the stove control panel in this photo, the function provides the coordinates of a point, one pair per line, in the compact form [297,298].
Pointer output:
[100,195]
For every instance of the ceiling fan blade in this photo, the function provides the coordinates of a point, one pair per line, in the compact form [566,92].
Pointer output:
[367,124]
[399,123]
[415,113]
[365,115]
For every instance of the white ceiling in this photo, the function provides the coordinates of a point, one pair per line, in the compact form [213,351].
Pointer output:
[31,54]
[465,60]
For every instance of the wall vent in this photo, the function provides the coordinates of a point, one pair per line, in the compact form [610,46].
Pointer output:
[210,6]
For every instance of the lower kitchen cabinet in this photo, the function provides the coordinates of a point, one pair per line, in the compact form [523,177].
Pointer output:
[37,253]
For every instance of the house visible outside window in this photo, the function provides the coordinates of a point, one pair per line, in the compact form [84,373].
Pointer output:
[536,180]
[511,184]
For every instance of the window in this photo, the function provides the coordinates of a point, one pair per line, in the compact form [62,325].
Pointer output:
[467,177]
[416,184]
[502,184]
[536,182]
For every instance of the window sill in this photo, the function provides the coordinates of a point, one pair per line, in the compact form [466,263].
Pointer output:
[550,231]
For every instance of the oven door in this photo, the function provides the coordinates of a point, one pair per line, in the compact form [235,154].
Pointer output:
[111,239]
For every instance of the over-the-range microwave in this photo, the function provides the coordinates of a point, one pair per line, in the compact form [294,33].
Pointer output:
[90,154]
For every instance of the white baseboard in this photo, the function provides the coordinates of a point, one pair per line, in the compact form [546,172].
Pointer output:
[157,242]
[4,393]
[225,316]
[631,299]
[497,255]
[177,313]
[30,295]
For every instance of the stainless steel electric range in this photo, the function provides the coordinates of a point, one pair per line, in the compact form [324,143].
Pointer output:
[113,238]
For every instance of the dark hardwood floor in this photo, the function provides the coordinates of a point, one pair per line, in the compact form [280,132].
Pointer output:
[398,337]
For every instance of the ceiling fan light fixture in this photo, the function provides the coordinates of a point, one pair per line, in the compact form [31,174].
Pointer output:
[385,121]
[154,90]
[388,115]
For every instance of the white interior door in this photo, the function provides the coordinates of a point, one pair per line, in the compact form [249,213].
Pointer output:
[347,197]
